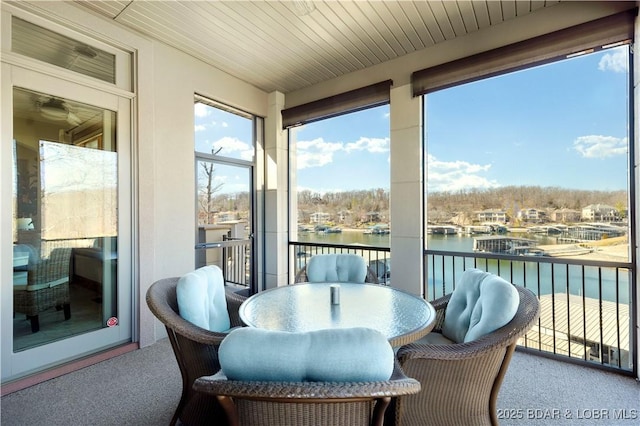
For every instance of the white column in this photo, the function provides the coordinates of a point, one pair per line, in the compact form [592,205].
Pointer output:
[406,197]
[276,196]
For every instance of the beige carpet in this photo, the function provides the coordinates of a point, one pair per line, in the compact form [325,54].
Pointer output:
[143,388]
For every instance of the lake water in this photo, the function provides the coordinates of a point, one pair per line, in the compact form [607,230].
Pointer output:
[456,242]
[539,277]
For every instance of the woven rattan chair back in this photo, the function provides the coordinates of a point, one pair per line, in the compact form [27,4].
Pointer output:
[195,349]
[306,403]
[460,382]
[48,287]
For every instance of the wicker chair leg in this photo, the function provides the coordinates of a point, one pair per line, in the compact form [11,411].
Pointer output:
[379,411]
[35,323]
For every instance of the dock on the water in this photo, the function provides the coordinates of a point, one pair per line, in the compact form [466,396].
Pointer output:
[506,245]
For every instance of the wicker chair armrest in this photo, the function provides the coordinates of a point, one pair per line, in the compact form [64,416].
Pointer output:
[453,352]
[440,306]
[197,334]
[218,384]
[234,300]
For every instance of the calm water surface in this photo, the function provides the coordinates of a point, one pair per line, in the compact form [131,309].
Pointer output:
[542,278]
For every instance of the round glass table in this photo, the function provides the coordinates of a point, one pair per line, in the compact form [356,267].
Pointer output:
[402,317]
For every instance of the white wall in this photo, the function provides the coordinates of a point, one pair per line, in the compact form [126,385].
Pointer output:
[169,171]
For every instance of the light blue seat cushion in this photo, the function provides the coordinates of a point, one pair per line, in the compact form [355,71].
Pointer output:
[331,355]
[202,300]
[337,268]
[481,303]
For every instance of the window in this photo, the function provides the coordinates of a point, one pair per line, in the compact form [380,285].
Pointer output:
[225,150]
[340,178]
[528,176]
[534,162]
[45,45]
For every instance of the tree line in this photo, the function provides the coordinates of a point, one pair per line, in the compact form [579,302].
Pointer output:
[514,198]
[362,203]
[355,208]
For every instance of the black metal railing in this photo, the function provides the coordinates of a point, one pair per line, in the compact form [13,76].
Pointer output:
[587,312]
[377,258]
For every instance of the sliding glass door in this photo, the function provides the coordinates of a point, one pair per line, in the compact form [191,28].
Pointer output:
[67,183]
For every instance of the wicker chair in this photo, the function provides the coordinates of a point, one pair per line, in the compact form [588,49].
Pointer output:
[47,287]
[461,381]
[371,277]
[196,351]
[249,403]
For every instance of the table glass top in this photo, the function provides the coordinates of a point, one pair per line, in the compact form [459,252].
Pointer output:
[307,307]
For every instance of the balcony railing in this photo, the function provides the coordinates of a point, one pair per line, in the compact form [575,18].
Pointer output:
[587,314]
[377,258]
[586,310]
[237,268]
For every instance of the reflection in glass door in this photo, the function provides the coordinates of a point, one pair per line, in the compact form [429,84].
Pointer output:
[225,229]
[65,227]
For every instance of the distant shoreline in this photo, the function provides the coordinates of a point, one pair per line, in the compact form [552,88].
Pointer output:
[610,249]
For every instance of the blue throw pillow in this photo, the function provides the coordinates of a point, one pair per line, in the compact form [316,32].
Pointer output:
[331,355]
[337,268]
[202,300]
[481,303]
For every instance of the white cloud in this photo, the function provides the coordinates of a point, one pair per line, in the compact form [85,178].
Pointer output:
[307,160]
[200,128]
[316,153]
[615,61]
[369,144]
[227,144]
[201,110]
[457,175]
[597,146]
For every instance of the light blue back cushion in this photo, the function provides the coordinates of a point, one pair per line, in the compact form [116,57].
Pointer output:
[481,303]
[332,355]
[201,299]
[337,268]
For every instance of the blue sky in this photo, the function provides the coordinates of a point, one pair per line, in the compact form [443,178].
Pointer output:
[562,124]
[229,135]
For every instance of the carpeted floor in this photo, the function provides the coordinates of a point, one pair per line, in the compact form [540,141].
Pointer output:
[138,388]
[143,388]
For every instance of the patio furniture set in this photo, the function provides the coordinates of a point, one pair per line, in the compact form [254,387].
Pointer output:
[296,356]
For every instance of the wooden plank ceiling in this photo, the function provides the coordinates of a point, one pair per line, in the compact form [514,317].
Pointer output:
[289,45]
